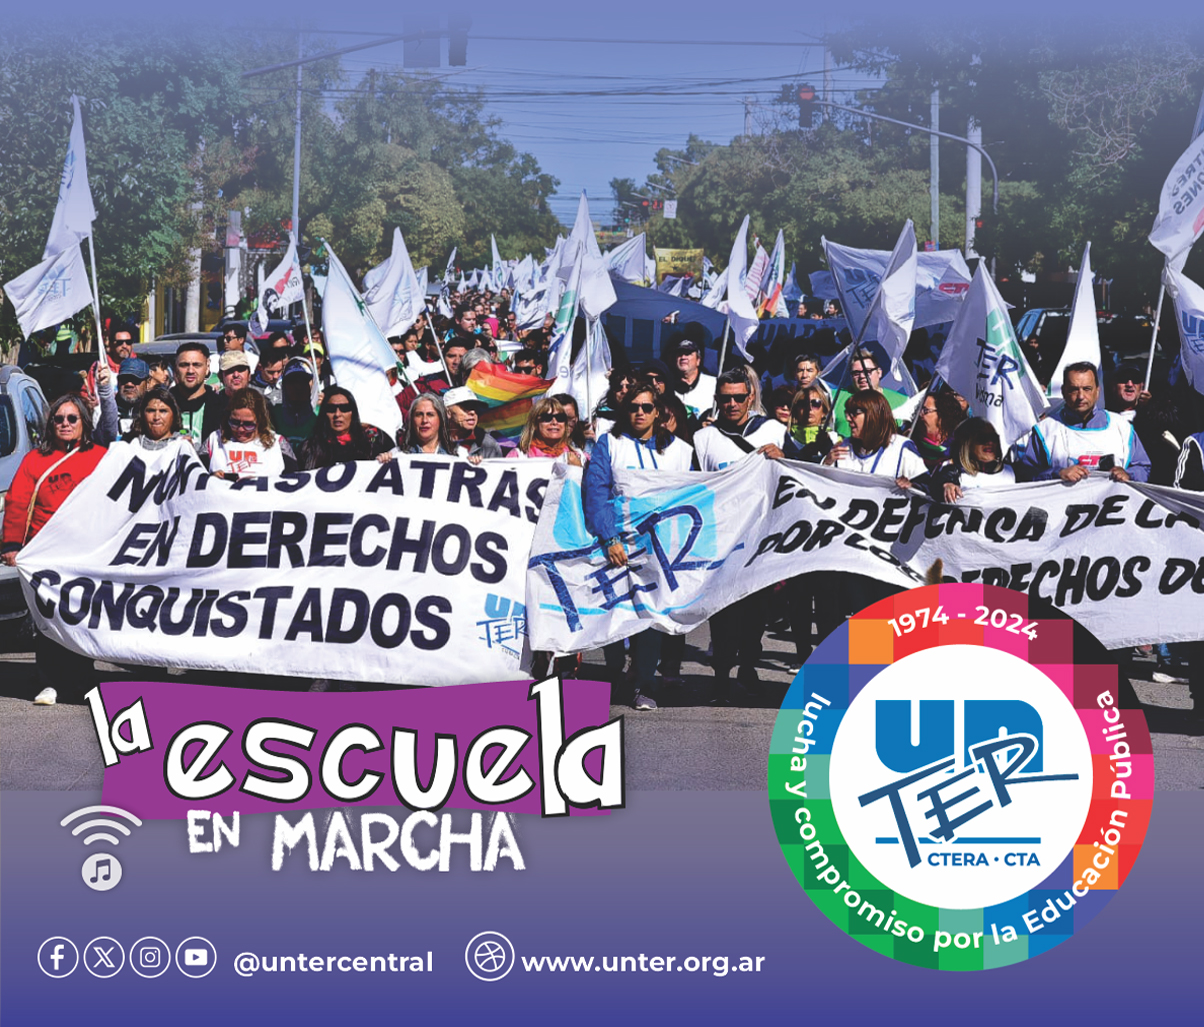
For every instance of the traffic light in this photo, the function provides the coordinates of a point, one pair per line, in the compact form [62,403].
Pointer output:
[806,105]
[457,40]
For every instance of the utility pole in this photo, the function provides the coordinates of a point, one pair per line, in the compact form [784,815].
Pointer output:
[297,150]
[827,81]
[934,168]
[973,185]
[748,102]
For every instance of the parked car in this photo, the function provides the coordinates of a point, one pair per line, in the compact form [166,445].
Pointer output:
[22,414]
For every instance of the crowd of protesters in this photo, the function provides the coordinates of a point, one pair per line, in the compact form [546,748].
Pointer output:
[256,407]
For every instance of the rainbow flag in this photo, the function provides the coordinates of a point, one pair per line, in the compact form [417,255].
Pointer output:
[508,420]
[496,385]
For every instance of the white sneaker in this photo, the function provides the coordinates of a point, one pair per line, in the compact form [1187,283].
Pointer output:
[1162,678]
[46,697]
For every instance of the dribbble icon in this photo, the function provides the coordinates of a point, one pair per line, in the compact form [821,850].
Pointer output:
[101,870]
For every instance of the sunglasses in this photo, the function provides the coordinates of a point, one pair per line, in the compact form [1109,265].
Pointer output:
[641,408]
[242,425]
[816,404]
[66,418]
[653,377]
[338,408]
[864,370]
[734,397]
[549,415]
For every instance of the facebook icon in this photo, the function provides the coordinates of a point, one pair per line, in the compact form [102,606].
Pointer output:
[58,957]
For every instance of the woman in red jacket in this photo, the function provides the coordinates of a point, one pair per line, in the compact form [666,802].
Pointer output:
[47,476]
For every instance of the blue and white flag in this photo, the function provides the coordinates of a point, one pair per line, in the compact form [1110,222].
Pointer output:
[741,314]
[983,362]
[1188,298]
[51,292]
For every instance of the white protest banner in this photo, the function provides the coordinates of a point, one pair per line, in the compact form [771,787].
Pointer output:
[406,572]
[1180,217]
[942,281]
[51,291]
[1121,559]
[1082,337]
[982,360]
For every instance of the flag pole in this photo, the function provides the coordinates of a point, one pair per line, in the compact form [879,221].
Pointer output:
[100,335]
[1149,367]
[727,327]
[439,349]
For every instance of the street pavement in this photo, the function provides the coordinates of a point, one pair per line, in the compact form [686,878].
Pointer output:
[686,744]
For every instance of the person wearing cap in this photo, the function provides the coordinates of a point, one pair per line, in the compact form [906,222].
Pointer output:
[294,416]
[1126,391]
[867,366]
[694,387]
[463,415]
[234,371]
[132,378]
[1081,438]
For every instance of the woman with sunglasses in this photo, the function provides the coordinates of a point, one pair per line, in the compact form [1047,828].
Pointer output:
[610,410]
[546,435]
[47,475]
[638,441]
[245,446]
[807,439]
[340,437]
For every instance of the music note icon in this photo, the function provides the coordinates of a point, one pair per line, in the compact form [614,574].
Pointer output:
[101,871]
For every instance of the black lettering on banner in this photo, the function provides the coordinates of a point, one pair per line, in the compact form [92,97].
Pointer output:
[112,606]
[200,627]
[243,536]
[860,514]
[289,528]
[135,543]
[1179,572]
[293,481]
[231,605]
[308,617]
[359,555]
[402,543]
[489,547]
[466,478]
[1134,566]
[163,484]
[505,494]
[324,536]
[181,626]
[335,478]
[535,493]
[144,616]
[387,477]
[39,578]
[254,484]
[456,537]
[271,596]
[892,517]
[390,639]
[85,587]
[428,469]
[206,522]
[341,600]
[425,611]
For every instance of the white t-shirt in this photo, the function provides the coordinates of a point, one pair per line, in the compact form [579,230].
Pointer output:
[700,399]
[246,459]
[899,458]
[716,450]
[1004,476]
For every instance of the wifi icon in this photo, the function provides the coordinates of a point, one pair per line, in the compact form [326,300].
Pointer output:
[101,870]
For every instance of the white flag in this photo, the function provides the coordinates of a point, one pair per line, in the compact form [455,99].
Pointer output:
[51,292]
[75,212]
[582,235]
[1181,206]
[740,311]
[629,260]
[1082,337]
[589,381]
[451,265]
[717,291]
[895,310]
[755,277]
[281,287]
[560,349]
[393,291]
[597,294]
[1189,316]
[497,261]
[360,356]
[982,360]
[772,285]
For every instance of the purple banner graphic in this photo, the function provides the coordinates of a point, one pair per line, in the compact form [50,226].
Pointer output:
[514,747]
